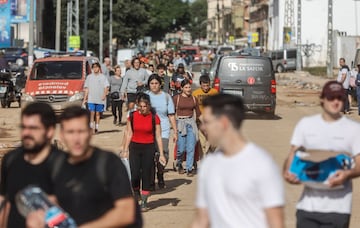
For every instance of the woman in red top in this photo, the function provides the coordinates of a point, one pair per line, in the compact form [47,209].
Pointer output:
[140,142]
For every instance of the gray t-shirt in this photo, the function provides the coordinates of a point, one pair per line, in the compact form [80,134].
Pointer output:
[131,78]
[115,84]
[96,85]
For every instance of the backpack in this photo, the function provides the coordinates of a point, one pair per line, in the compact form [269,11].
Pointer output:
[101,175]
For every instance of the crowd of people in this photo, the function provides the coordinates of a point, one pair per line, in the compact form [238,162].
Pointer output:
[94,187]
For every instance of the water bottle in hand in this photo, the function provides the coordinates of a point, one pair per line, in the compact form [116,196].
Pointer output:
[33,198]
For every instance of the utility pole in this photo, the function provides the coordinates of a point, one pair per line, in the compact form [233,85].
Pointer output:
[298,40]
[218,23]
[31,34]
[72,19]
[110,31]
[85,26]
[101,32]
[329,59]
[58,23]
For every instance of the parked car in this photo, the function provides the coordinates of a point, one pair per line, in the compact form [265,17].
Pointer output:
[283,60]
[251,77]
[15,55]
[58,80]
[196,68]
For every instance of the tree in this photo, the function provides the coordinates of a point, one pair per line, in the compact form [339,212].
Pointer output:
[167,16]
[130,21]
[198,11]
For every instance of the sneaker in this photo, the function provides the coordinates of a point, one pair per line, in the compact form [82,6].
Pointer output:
[144,208]
[114,121]
[161,185]
[181,170]
[96,130]
[189,173]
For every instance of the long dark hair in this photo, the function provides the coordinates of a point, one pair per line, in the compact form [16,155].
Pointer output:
[144,97]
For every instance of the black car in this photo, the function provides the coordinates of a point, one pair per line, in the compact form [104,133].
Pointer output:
[15,55]
[251,77]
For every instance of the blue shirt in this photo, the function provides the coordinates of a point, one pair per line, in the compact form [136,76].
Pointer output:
[164,106]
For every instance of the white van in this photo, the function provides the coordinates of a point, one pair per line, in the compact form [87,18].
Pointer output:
[225,49]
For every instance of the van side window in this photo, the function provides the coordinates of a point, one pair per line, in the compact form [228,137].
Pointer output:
[291,54]
[280,55]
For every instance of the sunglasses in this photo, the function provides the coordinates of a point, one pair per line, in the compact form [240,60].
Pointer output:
[338,97]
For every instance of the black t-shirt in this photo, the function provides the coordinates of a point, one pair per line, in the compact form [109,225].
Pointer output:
[16,174]
[86,194]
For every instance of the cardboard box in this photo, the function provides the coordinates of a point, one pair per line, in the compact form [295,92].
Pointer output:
[314,167]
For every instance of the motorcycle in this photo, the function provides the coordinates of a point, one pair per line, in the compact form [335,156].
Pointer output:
[9,92]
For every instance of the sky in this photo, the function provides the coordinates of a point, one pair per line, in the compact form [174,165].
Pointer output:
[344,16]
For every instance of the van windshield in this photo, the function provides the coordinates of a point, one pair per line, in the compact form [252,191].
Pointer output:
[240,67]
[56,70]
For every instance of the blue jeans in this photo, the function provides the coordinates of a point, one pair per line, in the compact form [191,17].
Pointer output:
[358,97]
[186,143]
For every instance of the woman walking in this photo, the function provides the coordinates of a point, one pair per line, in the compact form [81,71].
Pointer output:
[187,117]
[164,107]
[117,102]
[143,130]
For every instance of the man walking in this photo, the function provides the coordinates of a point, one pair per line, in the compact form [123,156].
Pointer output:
[253,199]
[30,163]
[96,88]
[200,94]
[344,79]
[326,131]
[134,81]
[90,184]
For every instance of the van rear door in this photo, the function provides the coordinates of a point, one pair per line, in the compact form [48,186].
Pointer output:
[249,77]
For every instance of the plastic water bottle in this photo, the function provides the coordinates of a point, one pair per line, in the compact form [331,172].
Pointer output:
[33,198]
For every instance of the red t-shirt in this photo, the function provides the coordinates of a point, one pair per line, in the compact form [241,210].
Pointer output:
[143,129]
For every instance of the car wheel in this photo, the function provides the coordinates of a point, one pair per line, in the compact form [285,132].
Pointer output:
[280,68]
[19,62]
[3,103]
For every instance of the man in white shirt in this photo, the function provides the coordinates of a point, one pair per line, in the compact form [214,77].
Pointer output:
[344,79]
[328,131]
[239,185]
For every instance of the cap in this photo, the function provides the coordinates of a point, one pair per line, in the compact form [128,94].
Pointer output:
[180,65]
[332,90]
[96,63]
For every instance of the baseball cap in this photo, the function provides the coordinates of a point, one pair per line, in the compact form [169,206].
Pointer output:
[181,65]
[333,90]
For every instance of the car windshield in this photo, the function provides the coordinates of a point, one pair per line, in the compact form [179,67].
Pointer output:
[199,67]
[57,70]
[237,67]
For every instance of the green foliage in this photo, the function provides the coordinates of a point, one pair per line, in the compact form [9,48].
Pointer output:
[166,16]
[198,10]
[134,19]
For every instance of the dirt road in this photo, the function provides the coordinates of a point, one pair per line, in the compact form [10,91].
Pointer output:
[174,206]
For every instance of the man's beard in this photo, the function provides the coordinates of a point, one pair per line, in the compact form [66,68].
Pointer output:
[36,148]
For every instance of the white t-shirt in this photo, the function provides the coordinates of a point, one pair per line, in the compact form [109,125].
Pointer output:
[235,190]
[346,83]
[343,135]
